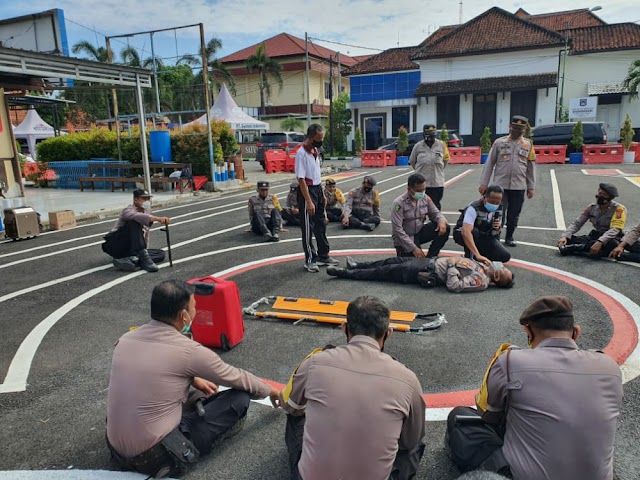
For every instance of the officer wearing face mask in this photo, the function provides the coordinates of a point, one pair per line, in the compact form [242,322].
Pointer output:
[608,219]
[428,158]
[128,241]
[409,226]
[362,208]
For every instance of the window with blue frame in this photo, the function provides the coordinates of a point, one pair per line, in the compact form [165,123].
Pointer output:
[384,86]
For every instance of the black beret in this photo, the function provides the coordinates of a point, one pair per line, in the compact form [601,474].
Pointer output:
[428,128]
[141,193]
[610,188]
[263,184]
[519,121]
[555,306]
[370,180]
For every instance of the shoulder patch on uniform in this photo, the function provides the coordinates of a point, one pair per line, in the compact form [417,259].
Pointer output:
[351,193]
[397,207]
[586,210]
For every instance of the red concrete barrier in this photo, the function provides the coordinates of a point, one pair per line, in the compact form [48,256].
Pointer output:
[635,147]
[374,158]
[390,156]
[611,153]
[275,161]
[551,153]
[461,155]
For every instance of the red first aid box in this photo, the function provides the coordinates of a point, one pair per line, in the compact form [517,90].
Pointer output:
[218,322]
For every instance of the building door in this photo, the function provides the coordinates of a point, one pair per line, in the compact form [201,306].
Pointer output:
[448,111]
[373,132]
[484,115]
[524,103]
[609,115]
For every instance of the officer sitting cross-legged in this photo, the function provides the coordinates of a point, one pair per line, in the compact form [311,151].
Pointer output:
[546,412]
[362,209]
[264,213]
[608,219]
[291,213]
[335,201]
[150,427]
[478,228]
[629,248]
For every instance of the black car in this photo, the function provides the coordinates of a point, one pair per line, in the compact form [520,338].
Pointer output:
[562,133]
[415,137]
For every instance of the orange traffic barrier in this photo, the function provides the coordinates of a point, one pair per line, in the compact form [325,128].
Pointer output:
[550,153]
[390,156]
[374,158]
[275,161]
[635,147]
[464,155]
[594,154]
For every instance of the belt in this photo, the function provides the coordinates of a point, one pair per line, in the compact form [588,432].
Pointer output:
[309,183]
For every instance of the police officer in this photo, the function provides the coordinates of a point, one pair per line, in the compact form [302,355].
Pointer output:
[512,163]
[456,273]
[608,219]
[408,215]
[362,209]
[478,228]
[264,213]
[428,158]
[553,401]
[629,243]
[335,201]
[291,213]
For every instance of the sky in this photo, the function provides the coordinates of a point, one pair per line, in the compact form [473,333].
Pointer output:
[374,24]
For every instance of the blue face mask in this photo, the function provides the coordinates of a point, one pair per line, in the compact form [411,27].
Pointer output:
[187,328]
[491,207]
[419,195]
[497,266]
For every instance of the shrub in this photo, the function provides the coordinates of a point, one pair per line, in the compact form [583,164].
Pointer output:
[222,134]
[485,141]
[403,140]
[444,134]
[627,133]
[578,136]
[358,141]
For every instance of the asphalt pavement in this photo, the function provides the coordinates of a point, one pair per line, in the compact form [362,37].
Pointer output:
[64,306]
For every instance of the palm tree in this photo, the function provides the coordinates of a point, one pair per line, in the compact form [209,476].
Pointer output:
[131,57]
[632,81]
[99,54]
[266,67]
[218,71]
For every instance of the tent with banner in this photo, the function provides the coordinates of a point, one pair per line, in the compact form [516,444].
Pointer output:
[225,108]
[32,129]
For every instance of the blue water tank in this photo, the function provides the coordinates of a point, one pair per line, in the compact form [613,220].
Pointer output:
[160,142]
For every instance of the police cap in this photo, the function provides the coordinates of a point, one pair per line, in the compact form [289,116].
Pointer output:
[294,185]
[554,306]
[330,181]
[263,184]
[610,188]
[519,121]
[429,129]
[141,193]
[370,180]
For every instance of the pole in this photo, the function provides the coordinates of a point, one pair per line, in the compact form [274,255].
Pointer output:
[306,53]
[143,136]
[564,64]
[155,77]
[207,101]
[330,106]
[115,102]
[339,76]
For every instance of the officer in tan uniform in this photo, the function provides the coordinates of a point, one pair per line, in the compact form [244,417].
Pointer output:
[458,274]
[512,163]
[335,201]
[428,158]
[362,209]
[409,213]
[543,405]
[629,243]
[291,213]
[264,213]
[608,219]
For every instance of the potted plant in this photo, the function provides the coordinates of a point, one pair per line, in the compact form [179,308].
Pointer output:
[403,143]
[444,134]
[577,143]
[485,144]
[626,138]
[357,162]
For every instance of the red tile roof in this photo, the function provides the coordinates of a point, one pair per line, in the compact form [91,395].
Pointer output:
[488,85]
[286,45]
[392,60]
[616,36]
[522,13]
[561,20]
[362,58]
[493,31]
[438,34]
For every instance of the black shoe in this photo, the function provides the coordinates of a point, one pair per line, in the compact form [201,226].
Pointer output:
[351,263]
[510,242]
[276,237]
[579,248]
[368,226]
[563,250]
[326,261]
[267,237]
[145,262]
[334,271]
[125,264]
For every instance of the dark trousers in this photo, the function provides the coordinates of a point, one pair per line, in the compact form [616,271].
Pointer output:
[512,202]
[262,225]
[632,253]
[127,241]
[428,234]
[394,269]
[359,219]
[334,214]
[313,225]
[290,218]
[405,466]
[435,194]
[583,243]
[488,245]
[221,412]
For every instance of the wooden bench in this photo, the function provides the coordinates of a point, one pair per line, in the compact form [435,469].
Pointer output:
[155,182]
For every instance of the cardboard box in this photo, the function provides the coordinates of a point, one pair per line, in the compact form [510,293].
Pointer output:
[62,219]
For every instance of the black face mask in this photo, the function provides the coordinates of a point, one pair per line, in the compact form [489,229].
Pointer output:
[602,200]
[317,144]
[429,138]
[367,189]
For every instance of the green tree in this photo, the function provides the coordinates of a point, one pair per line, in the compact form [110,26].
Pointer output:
[99,54]
[528,133]
[403,140]
[268,69]
[358,141]
[578,137]
[340,115]
[444,134]
[632,80]
[97,103]
[219,72]
[292,124]
[627,133]
[485,141]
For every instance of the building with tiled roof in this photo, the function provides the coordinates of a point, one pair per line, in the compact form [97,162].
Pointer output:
[557,21]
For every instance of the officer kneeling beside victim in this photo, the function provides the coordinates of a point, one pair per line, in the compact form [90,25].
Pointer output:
[128,241]
[151,426]
[264,213]
[548,412]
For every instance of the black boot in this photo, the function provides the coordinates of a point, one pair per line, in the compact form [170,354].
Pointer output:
[145,262]
[335,271]
[574,249]
[351,263]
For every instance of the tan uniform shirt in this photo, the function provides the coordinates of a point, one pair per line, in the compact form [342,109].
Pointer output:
[153,367]
[263,206]
[292,199]
[335,199]
[562,411]
[361,406]
[358,199]
[608,223]
[513,164]
[430,161]
[632,237]
[462,274]
[133,214]
[408,216]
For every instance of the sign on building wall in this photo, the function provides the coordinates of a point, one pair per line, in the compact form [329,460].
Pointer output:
[580,108]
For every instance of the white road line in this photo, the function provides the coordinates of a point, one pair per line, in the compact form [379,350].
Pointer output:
[557,202]
[634,182]
[71,475]
[446,184]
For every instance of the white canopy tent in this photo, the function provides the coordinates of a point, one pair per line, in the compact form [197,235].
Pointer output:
[225,108]
[33,128]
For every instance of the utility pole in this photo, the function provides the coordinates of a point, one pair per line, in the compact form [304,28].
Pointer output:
[306,53]
[155,76]
[330,105]
[339,76]
[460,13]
[115,101]
[207,100]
